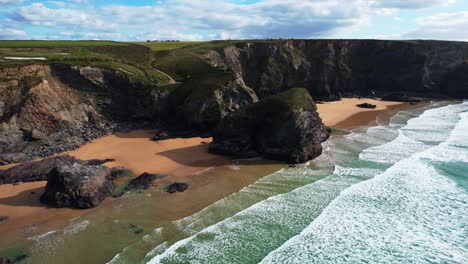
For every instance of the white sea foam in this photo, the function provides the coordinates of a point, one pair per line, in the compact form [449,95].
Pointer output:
[408,214]
[246,235]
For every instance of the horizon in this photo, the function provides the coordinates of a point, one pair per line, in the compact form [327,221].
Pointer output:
[184,20]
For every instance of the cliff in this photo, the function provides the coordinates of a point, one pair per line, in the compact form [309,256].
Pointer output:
[58,105]
[285,127]
[329,69]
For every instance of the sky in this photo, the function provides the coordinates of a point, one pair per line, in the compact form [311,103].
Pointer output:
[140,20]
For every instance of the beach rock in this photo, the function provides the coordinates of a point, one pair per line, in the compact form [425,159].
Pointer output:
[135,229]
[94,162]
[160,135]
[6,261]
[177,187]
[72,184]
[118,171]
[366,105]
[12,158]
[283,127]
[144,181]
[3,219]
[31,171]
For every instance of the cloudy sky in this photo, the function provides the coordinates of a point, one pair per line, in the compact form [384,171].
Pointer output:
[236,19]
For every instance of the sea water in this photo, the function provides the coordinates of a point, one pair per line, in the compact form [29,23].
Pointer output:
[395,192]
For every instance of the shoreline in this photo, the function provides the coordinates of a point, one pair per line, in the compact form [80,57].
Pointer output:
[178,159]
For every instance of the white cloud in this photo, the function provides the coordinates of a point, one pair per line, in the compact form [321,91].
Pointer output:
[11,33]
[446,26]
[206,19]
[200,19]
[409,4]
[9,2]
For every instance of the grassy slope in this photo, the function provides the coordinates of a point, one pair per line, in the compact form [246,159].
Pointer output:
[135,60]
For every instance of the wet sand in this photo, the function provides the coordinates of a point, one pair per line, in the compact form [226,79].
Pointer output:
[176,158]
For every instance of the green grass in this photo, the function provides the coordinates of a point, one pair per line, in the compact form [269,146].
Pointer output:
[162,46]
[289,100]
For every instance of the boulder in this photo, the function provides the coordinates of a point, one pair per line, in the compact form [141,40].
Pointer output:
[39,170]
[72,184]
[30,171]
[177,187]
[6,261]
[12,158]
[366,105]
[284,127]
[144,181]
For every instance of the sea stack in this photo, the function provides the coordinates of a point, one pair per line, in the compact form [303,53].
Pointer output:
[72,184]
[284,127]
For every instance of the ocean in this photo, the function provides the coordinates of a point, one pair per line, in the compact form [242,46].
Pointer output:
[396,192]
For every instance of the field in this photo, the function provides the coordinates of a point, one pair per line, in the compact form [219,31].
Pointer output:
[161,46]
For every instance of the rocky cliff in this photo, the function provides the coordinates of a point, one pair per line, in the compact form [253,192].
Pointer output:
[48,108]
[284,127]
[45,109]
[330,69]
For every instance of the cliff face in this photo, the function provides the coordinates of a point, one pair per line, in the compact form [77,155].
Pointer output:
[284,127]
[46,109]
[330,69]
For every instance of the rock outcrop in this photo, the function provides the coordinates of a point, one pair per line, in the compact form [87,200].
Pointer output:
[283,127]
[366,105]
[46,109]
[39,170]
[72,184]
[144,181]
[177,187]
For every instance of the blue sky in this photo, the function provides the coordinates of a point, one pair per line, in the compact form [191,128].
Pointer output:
[237,19]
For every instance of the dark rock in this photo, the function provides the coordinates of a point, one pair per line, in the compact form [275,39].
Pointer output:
[30,171]
[95,162]
[366,105]
[177,187]
[118,171]
[400,97]
[144,181]
[283,127]
[160,135]
[135,229]
[3,218]
[12,158]
[6,261]
[72,184]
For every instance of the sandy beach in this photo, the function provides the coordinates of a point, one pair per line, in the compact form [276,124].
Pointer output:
[334,113]
[176,158]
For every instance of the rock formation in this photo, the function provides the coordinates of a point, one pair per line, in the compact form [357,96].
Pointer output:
[366,105]
[284,127]
[72,184]
[50,108]
[31,171]
[177,187]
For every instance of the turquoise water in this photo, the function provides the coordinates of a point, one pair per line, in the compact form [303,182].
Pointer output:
[394,193]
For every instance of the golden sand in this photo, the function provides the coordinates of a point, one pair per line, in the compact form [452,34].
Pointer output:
[137,152]
[333,113]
